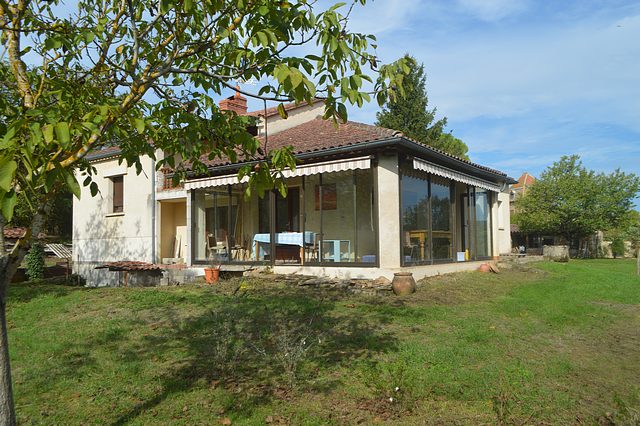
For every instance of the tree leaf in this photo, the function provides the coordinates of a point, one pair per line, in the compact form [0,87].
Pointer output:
[47,132]
[140,124]
[62,133]
[72,183]
[8,204]
[8,169]
[283,113]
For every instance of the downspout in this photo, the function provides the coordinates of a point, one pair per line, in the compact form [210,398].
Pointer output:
[153,210]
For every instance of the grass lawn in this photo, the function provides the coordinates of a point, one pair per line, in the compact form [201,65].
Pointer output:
[547,344]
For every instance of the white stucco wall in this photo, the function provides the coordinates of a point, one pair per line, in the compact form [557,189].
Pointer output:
[503,223]
[100,235]
[388,200]
[297,116]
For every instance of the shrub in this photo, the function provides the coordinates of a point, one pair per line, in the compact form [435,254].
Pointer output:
[617,247]
[35,262]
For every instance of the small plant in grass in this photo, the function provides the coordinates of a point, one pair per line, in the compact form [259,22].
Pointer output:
[290,343]
[397,384]
[35,262]
[506,401]
[228,343]
[502,403]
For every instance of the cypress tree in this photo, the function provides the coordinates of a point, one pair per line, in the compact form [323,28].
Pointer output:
[411,115]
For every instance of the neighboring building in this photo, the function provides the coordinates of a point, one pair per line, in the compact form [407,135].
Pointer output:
[363,202]
[519,188]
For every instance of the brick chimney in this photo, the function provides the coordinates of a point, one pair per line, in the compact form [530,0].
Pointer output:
[237,103]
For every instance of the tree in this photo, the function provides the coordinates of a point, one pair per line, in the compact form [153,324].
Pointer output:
[411,115]
[144,75]
[572,202]
[632,234]
[449,143]
[617,247]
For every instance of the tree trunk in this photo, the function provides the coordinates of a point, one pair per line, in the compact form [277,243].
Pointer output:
[2,224]
[7,409]
[9,263]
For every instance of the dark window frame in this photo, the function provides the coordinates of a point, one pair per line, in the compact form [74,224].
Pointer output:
[117,194]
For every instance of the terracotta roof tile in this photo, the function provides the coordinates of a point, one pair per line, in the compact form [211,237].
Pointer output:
[315,136]
[103,153]
[318,135]
[524,180]
[18,232]
[14,233]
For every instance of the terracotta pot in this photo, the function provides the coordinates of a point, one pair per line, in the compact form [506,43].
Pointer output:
[484,268]
[211,275]
[403,283]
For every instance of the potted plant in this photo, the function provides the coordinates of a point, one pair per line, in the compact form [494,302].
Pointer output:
[212,273]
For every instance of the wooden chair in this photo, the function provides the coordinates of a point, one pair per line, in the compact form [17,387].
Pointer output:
[235,250]
[214,248]
[311,250]
[409,246]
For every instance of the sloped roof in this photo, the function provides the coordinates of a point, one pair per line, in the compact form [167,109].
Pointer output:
[524,180]
[105,152]
[318,135]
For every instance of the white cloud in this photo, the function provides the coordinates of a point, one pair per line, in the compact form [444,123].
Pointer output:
[492,10]
[510,73]
[383,16]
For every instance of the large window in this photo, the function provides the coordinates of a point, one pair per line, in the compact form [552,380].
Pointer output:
[442,229]
[426,218]
[324,219]
[482,223]
[476,221]
[415,218]
[340,223]
[215,218]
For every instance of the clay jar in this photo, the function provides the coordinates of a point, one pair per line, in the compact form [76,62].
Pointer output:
[403,283]
[484,268]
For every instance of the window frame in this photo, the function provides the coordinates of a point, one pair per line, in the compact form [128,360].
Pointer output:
[114,182]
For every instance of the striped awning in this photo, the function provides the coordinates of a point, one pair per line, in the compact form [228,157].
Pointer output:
[306,170]
[434,169]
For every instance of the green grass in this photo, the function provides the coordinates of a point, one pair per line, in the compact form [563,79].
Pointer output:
[553,343]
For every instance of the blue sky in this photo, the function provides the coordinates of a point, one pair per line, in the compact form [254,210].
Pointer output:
[523,82]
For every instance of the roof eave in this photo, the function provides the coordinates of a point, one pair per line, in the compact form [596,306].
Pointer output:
[394,141]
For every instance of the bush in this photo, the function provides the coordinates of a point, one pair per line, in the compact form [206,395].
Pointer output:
[617,247]
[35,262]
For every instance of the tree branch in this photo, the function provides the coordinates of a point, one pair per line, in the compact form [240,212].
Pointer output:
[18,67]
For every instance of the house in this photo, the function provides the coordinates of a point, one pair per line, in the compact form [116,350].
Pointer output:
[363,202]
[519,188]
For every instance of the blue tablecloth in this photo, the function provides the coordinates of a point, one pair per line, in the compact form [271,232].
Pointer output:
[282,238]
[287,238]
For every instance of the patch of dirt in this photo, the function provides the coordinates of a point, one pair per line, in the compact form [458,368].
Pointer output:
[468,287]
